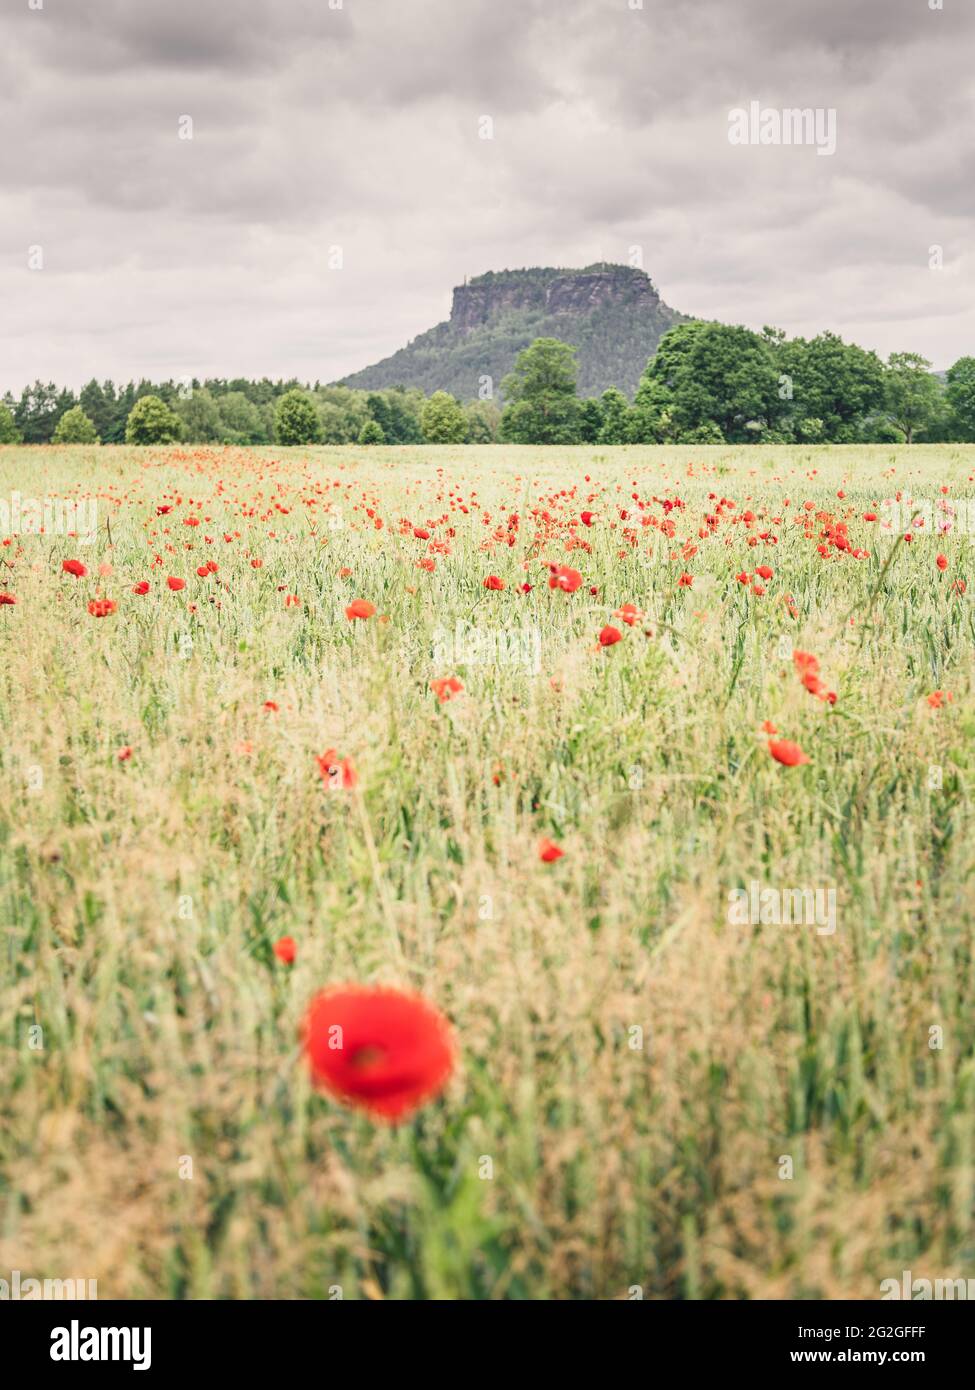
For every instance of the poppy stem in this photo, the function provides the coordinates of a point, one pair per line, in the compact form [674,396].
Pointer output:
[377,872]
[872,597]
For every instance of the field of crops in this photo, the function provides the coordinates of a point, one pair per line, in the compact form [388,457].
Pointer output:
[506,729]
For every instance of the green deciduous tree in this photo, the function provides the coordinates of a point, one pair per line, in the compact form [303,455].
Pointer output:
[616,418]
[961,398]
[711,373]
[199,416]
[827,380]
[296,419]
[372,433]
[342,412]
[152,422]
[442,419]
[397,412]
[9,433]
[913,396]
[652,415]
[543,407]
[483,421]
[241,421]
[74,427]
[590,420]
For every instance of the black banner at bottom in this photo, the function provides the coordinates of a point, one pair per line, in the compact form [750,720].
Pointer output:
[170,1338]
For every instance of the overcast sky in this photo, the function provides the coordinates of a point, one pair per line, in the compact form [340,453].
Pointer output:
[360,127]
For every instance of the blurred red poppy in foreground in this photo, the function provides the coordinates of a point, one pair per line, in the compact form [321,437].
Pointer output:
[337,773]
[564,577]
[286,949]
[787,753]
[446,687]
[379,1048]
[102,607]
[627,614]
[359,608]
[549,851]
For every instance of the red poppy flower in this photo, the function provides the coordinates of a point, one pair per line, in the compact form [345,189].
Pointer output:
[787,753]
[937,698]
[609,636]
[942,563]
[587,518]
[337,773]
[286,949]
[446,687]
[549,851]
[124,754]
[685,581]
[75,567]
[176,584]
[102,607]
[627,614]
[565,578]
[765,571]
[359,608]
[493,582]
[382,1049]
[6,598]
[142,587]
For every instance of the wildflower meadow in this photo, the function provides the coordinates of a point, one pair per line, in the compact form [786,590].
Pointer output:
[468,872]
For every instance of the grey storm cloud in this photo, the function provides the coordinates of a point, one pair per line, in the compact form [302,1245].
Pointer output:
[357,125]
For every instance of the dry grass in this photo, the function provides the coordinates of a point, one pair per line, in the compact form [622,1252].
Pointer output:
[140,900]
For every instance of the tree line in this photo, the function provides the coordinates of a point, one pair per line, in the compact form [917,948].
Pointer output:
[711,383]
[707,383]
[237,412]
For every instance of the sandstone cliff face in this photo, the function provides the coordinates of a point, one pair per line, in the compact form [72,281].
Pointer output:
[565,292]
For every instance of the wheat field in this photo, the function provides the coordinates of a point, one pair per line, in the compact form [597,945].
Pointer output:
[650,1097]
